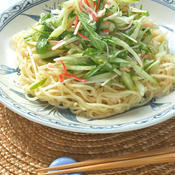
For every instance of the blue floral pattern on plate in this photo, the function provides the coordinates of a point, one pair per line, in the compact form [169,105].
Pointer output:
[169,3]
[11,94]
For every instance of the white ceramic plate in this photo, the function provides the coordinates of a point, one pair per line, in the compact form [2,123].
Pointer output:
[23,15]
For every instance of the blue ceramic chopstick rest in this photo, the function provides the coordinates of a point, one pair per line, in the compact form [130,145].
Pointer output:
[63,161]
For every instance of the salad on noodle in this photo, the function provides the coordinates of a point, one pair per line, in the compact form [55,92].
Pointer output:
[95,57]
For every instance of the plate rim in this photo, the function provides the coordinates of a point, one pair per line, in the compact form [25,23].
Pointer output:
[138,124]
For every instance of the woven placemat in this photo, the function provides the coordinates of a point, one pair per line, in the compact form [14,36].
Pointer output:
[26,146]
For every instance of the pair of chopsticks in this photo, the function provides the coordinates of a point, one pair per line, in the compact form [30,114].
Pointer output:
[130,160]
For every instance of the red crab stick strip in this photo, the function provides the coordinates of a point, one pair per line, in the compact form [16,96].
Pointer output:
[87,2]
[74,77]
[89,10]
[66,74]
[76,23]
[58,44]
[126,28]
[82,35]
[144,57]
[97,6]
[80,4]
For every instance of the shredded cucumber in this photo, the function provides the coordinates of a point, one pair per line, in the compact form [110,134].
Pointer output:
[109,42]
[140,87]
[127,47]
[139,71]
[127,80]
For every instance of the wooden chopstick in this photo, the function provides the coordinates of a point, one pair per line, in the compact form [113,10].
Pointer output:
[143,158]
[119,164]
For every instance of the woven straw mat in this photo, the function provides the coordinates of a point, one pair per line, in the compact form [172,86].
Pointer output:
[26,146]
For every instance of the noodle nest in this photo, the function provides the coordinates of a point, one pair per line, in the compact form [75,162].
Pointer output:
[90,100]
